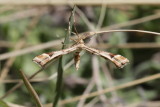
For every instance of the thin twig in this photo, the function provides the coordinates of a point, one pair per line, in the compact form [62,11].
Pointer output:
[84,18]
[19,45]
[32,76]
[93,41]
[53,76]
[10,61]
[62,61]
[110,82]
[87,90]
[31,89]
[14,105]
[79,2]
[101,17]
[133,22]
[129,45]
[20,83]
[92,102]
[30,49]
[97,79]
[129,30]
[145,104]
[129,23]
[23,14]
[107,90]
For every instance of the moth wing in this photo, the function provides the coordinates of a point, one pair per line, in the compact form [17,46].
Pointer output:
[118,60]
[44,58]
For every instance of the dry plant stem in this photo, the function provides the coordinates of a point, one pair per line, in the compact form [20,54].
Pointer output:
[31,89]
[37,72]
[51,44]
[92,103]
[133,22]
[23,14]
[53,76]
[19,45]
[95,59]
[29,49]
[14,105]
[129,45]
[110,82]
[129,23]
[79,2]
[10,61]
[32,76]
[84,18]
[128,30]
[109,79]
[100,22]
[11,54]
[91,27]
[87,90]
[101,17]
[93,41]
[107,90]
[145,104]
[97,79]
[19,84]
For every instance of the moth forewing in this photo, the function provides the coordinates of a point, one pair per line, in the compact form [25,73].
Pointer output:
[118,60]
[44,58]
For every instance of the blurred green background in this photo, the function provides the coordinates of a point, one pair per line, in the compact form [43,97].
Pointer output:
[23,28]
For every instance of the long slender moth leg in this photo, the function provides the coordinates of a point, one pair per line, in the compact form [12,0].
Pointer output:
[118,60]
[44,58]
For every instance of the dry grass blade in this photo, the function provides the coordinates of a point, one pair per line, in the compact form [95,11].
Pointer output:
[107,90]
[30,89]
[78,2]
[129,45]
[19,84]
[97,79]
[87,90]
[23,14]
[133,22]
[29,49]
[54,43]
[21,43]
[129,30]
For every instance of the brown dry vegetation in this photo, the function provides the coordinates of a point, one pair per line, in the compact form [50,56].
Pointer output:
[27,31]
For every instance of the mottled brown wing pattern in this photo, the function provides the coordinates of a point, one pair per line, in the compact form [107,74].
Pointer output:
[44,58]
[118,60]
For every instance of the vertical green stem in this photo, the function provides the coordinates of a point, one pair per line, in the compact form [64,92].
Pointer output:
[62,62]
